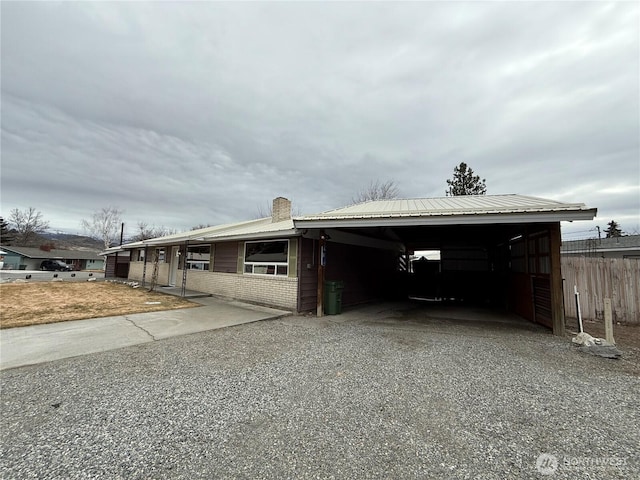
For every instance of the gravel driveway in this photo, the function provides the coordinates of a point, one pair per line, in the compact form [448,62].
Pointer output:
[370,394]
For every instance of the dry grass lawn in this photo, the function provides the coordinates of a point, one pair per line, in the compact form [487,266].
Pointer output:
[47,302]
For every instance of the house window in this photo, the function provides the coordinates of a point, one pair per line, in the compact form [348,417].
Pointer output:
[141,255]
[198,257]
[267,258]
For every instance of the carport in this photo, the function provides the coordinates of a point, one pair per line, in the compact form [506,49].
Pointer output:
[497,250]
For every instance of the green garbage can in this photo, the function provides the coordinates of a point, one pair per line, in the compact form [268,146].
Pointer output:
[333,297]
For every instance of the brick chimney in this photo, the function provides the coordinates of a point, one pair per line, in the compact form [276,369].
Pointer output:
[281,210]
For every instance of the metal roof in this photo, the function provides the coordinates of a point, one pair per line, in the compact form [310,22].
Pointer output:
[613,244]
[260,228]
[470,209]
[476,209]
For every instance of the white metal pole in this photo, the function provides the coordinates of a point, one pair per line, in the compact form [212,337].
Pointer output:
[577,294]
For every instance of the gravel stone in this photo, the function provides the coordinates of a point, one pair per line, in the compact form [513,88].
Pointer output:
[369,394]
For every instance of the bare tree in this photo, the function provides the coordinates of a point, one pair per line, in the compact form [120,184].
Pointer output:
[104,225]
[145,231]
[377,190]
[266,210]
[201,226]
[28,224]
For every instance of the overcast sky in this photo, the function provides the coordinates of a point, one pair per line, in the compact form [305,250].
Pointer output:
[199,113]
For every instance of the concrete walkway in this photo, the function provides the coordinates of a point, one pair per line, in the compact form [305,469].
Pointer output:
[44,343]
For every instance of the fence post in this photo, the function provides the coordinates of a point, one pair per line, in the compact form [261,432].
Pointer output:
[608,322]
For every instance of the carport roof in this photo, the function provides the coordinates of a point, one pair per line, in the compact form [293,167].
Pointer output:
[460,210]
[471,209]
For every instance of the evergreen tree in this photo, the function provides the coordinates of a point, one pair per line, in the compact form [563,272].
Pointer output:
[6,234]
[613,229]
[464,182]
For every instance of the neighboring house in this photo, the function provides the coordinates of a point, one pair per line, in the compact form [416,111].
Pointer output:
[28,258]
[614,247]
[502,250]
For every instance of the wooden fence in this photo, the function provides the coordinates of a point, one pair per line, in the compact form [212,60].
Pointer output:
[600,278]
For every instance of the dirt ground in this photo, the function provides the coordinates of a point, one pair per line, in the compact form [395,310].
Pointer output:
[627,337]
[624,335]
[48,302]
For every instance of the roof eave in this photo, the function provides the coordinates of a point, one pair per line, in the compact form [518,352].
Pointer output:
[214,238]
[255,236]
[467,219]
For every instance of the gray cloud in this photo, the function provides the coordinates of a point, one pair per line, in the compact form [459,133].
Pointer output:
[189,113]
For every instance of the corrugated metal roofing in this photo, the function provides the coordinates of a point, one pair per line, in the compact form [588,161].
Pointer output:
[631,242]
[415,211]
[458,205]
[263,227]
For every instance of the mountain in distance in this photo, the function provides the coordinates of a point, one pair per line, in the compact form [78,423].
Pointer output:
[68,241]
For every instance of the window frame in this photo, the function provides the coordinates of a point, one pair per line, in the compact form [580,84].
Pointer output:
[190,262]
[276,266]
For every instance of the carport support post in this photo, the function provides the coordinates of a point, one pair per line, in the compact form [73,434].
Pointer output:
[183,291]
[321,262]
[144,265]
[557,307]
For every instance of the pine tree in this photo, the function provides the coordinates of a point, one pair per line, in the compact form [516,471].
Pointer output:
[6,235]
[613,229]
[464,182]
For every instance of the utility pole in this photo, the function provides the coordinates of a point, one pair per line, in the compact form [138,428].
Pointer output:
[115,267]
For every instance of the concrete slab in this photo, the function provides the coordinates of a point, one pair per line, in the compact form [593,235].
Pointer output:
[214,313]
[54,341]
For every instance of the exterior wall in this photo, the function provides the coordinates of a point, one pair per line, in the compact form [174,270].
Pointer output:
[267,290]
[136,270]
[31,263]
[227,279]
[225,258]
[308,268]
[95,265]
[122,269]
[368,273]
[12,261]
[535,286]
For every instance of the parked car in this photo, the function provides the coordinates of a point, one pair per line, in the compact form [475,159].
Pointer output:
[55,266]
